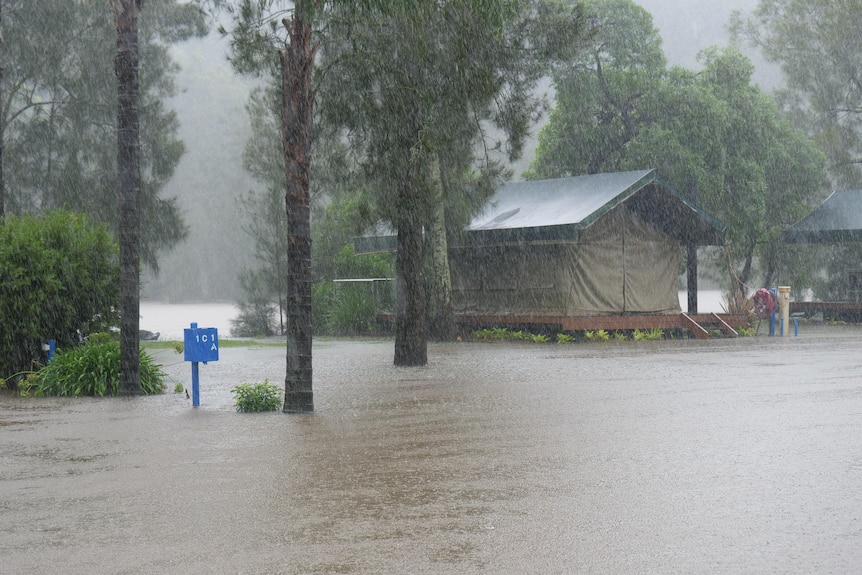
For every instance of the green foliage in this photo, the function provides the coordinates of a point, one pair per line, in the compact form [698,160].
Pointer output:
[92,369]
[648,335]
[598,335]
[619,108]
[103,337]
[257,397]
[809,40]
[504,334]
[59,100]
[351,310]
[58,280]
[179,388]
[257,312]
[620,336]
[565,338]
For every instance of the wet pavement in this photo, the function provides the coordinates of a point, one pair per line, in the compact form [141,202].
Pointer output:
[719,456]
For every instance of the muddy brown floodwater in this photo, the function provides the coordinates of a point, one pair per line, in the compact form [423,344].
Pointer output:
[720,456]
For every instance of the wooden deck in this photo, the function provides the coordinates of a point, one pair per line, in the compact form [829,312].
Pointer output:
[840,311]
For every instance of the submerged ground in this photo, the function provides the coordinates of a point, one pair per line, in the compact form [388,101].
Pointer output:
[719,456]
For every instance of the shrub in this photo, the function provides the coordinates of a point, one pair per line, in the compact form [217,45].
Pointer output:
[59,279]
[352,310]
[648,335]
[598,335]
[91,369]
[565,338]
[258,314]
[256,397]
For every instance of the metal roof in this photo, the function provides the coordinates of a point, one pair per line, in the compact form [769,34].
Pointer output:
[837,220]
[560,209]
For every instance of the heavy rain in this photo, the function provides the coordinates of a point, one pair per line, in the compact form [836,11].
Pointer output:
[614,246]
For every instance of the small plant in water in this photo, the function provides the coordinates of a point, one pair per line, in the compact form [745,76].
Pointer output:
[598,335]
[178,388]
[650,334]
[255,397]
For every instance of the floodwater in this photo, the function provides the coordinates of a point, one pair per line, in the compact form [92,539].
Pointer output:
[718,456]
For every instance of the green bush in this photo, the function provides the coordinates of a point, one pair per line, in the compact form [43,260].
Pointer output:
[91,369]
[352,310]
[59,279]
[255,397]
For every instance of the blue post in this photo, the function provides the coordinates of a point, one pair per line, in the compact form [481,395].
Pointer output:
[52,348]
[782,327]
[196,388]
[796,327]
[200,345]
[196,384]
[772,324]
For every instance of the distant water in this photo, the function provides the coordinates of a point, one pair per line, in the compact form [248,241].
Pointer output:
[169,320]
[708,301]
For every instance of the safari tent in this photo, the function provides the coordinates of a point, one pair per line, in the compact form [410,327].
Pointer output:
[838,220]
[589,245]
[603,244]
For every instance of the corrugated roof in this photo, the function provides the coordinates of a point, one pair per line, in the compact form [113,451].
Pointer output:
[837,220]
[560,209]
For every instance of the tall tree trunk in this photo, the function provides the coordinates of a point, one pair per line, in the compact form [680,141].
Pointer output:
[2,129]
[411,313]
[745,274]
[411,337]
[442,318]
[127,13]
[297,62]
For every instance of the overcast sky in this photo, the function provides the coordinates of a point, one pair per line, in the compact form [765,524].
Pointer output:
[689,26]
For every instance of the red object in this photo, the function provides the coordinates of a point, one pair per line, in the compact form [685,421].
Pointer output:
[764,303]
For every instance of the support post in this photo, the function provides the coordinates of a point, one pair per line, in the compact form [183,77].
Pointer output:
[691,259]
[196,385]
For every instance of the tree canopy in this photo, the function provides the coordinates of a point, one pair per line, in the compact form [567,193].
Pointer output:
[817,45]
[712,129]
[59,111]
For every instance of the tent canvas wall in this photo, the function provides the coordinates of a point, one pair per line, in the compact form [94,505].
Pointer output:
[620,264]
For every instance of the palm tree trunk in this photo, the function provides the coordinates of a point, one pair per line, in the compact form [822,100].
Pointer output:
[126,64]
[297,62]
[2,129]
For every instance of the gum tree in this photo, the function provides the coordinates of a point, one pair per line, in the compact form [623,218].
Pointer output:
[415,87]
[255,42]
[620,109]
[817,46]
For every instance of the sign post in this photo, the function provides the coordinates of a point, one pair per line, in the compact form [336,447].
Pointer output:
[199,345]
